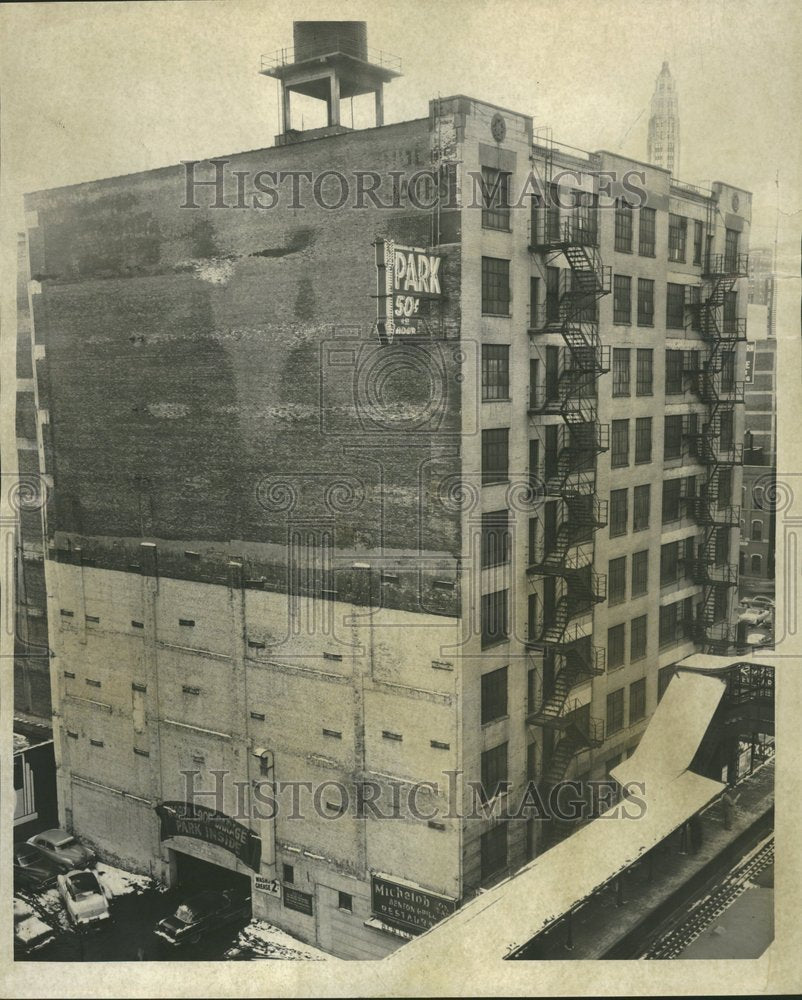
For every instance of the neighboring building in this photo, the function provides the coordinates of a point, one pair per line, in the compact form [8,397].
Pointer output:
[379,495]
[663,142]
[35,804]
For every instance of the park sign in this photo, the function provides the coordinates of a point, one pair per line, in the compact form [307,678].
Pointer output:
[407,281]
[188,819]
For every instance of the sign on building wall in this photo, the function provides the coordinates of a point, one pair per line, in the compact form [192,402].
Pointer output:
[271,886]
[749,369]
[407,283]
[407,907]
[294,899]
[187,819]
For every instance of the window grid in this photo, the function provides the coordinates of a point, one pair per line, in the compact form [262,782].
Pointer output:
[622,298]
[672,443]
[619,514]
[495,286]
[640,572]
[495,371]
[621,371]
[495,456]
[495,199]
[675,306]
[641,507]
[494,617]
[623,226]
[645,302]
[617,580]
[677,237]
[643,440]
[646,232]
[494,695]
[637,700]
[615,711]
[495,538]
[619,444]
[645,372]
[638,638]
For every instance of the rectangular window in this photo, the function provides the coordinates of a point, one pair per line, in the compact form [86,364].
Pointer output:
[672,492]
[731,239]
[674,369]
[669,563]
[637,638]
[615,711]
[675,306]
[623,226]
[288,873]
[619,514]
[619,444]
[646,232]
[664,675]
[345,901]
[616,641]
[645,302]
[643,440]
[494,771]
[617,580]
[677,237]
[641,507]
[668,624]
[493,851]
[637,700]
[622,298]
[495,286]
[495,538]
[672,437]
[494,695]
[495,199]
[495,456]
[621,371]
[698,230]
[645,372]
[730,317]
[494,617]
[495,371]
[640,572]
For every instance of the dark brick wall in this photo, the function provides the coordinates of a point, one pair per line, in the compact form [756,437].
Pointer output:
[211,374]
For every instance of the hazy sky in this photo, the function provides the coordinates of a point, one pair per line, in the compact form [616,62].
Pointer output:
[93,90]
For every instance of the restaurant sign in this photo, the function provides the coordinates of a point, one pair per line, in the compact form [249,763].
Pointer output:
[187,819]
[407,907]
[749,369]
[407,283]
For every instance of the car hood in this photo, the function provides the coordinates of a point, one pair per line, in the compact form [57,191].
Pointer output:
[89,906]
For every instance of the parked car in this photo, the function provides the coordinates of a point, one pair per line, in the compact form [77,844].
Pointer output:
[756,617]
[202,913]
[761,601]
[63,850]
[32,870]
[30,932]
[86,898]
[759,639]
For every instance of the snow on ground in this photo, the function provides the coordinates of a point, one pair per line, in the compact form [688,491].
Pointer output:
[120,882]
[262,940]
[29,929]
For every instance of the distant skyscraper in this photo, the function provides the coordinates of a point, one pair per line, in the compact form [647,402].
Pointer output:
[663,148]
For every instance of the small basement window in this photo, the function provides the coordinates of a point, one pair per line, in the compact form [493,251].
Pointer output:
[332,656]
[141,753]
[334,733]
[96,743]
[92,619]
[259,716]
[188,622]
[387,735]
[70,674]
[137,624]
[437,745]
[72,735]
[138,687]
[255,644]
[66,614]
[188,689]
[92,683]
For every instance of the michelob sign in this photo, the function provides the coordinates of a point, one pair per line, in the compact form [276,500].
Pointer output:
[407,281]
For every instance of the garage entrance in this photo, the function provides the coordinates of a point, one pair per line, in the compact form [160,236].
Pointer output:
[196,874]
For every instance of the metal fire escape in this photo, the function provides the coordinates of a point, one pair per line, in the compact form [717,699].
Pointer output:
[714,444]
[571,308]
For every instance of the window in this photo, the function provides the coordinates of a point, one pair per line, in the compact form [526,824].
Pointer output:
[731,250]
[495,456]
[615,711]
[668,624]
[494,617]
[675,306]
[552,294]
[727,370]
[619,444]
[621,371]
[644,376]
[646,232]
[672,493]
[494,695]
[677,237]
[645,302]
[640,572]
[730,316]
[664,675]
[637,700]
[669,563]
[643,440]
[617,580]
[637,638]
[187,622]
[495,286]
[756,564]
[697,242]
[345,901]
[623,226]
[288,872]
[495,371]
[495,538]
[757,531]
[619,514]
[672,437]
[674,367]
[616,640]
[641,505]
[622,304]
[493,851]
[495,199]
[494,771]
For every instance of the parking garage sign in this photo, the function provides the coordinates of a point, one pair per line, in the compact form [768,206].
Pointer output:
[188,819]
[407,281]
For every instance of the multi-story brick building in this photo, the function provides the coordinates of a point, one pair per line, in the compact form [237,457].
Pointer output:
[369,492]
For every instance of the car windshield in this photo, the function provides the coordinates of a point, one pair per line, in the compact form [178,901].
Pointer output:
[197,907]
[27,858]
[83,884]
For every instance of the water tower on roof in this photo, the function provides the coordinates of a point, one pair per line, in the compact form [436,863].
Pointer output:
[329,60]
